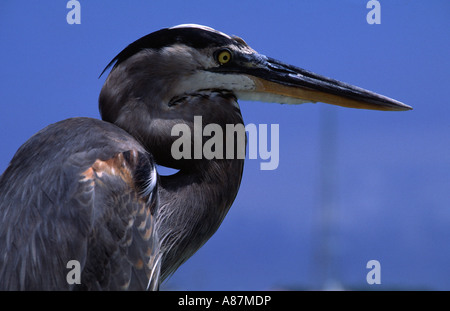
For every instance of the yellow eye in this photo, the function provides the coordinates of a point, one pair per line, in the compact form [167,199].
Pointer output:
[224,57]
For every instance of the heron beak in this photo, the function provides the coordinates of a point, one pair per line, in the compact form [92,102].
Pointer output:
[290,84]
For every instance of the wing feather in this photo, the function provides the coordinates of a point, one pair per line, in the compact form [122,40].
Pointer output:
[85,190]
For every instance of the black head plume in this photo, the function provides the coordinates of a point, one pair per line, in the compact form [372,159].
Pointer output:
[195,36]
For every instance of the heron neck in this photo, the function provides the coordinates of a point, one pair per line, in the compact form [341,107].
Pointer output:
[193,204]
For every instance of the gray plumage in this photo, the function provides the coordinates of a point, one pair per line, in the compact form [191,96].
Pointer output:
[61,202]
[87,190]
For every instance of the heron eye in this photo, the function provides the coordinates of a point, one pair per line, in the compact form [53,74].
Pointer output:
[224,56]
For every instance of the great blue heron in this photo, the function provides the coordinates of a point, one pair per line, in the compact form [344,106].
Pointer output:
[87,190]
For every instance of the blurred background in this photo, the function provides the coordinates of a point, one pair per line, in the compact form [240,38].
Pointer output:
[351,185]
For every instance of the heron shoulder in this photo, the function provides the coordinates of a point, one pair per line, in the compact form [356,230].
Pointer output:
[88,187]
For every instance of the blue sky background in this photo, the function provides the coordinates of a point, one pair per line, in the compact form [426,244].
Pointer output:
[389,196]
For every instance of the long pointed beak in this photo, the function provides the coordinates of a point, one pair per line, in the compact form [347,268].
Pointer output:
[286,83]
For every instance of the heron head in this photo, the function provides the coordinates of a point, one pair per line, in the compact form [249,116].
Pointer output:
[151,77]
[188,58]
